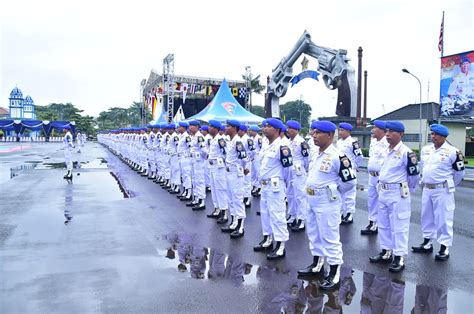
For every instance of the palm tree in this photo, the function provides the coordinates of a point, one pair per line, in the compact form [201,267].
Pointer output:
[253,85]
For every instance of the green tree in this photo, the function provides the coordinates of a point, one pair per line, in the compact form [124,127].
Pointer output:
[296,110]
[258,110]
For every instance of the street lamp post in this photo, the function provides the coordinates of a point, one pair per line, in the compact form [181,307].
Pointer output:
[419,82]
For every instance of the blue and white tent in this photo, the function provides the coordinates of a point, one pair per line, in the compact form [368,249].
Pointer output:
[224,106]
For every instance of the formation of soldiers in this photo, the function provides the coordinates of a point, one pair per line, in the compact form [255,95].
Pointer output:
[302,185]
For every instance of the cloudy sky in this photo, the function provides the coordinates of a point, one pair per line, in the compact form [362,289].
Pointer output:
[95,53]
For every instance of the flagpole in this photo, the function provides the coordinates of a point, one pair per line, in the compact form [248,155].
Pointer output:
[441,42]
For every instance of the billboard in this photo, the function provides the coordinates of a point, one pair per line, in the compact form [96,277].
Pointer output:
[457,85]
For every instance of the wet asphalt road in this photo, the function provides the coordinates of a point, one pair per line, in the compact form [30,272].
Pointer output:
[150,253]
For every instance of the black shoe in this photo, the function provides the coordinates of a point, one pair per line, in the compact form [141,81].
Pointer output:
[247,202]
[313,270]
[398,264]
[383,257]
[443,254]
[370,229]
[298,227]
[184,199]
[214,214]
[348,219]
[229,229]
[332,280]
[425,247]
[264,245]
[192,203]
[208,189]
[200,205]
[222,217]
[290,220]
[278,252]
[238,231]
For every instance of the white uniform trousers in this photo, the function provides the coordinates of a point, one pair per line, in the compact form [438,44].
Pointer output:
[207,174]
[272,212]
[373,198]
[186,170]
[166,166]
[255,171]
[437,214]
[349,200]
[322,227]
[296,195]
[248,182]
[235,193]
[199,184]
[383,295]
[68,158]
[394,221]
[175,170]
[219,187]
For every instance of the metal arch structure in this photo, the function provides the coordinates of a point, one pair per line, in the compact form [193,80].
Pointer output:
[333,66]
[169,83]
[248,76]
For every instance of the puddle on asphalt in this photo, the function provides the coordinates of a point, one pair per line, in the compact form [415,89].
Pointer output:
[28,165]
[99,163]
[281,291]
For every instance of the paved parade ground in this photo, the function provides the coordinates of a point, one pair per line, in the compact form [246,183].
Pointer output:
[113,241]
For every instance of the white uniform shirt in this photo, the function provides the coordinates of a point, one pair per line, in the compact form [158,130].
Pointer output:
[295,147]
[173,143]
[437,164]
[324,168]
[67,141]
[215,150]
[183,145]
[198,145]
[394,168]
[231,153]
[271,166]
[346,147]
[377,153]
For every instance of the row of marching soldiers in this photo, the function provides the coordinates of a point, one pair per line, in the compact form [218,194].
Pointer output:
[317,180]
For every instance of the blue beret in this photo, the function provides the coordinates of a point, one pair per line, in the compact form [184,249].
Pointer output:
[255,128]
[380,124]
[233,122]
[194,122]
[292,124]
[345,126]
[214,123]
[465,59]
[67,127]
[277,124]
[183,124]
[243,127]
[324,126]
[171,126]
[222,128]
[396,126]
[439,129]
[205,128]
[264,122]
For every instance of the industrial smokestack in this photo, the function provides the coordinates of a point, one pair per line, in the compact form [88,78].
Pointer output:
[364,120]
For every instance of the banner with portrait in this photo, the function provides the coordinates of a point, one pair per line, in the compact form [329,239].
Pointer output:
[457,85]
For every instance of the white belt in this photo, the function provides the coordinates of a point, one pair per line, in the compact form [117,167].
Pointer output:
[390,186]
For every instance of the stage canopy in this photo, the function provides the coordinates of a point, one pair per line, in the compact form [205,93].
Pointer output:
[19,126]
[224,106]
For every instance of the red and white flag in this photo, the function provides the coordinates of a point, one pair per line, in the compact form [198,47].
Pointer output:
[441,36]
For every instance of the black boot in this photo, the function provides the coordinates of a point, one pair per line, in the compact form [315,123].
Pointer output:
[187,196]
[68,175]
[383,257]
[398,264]
[370,229]
[193,202]
[200,205]
[348,219]
[264,245]
[299,226]
[290,220]
[443,253]
[425,247]
[332,279]
[223,217]
[214,214]
[247,202]
[239,230]
[315,269]
[278,252]
[230,228]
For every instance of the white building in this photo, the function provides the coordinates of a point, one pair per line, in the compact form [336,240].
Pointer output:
[21,108]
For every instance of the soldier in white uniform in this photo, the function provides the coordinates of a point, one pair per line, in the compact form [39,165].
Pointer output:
[330,175]
[255,158]
[442,166]
[216,160]
[175,178]
[276,159]
[165,158]
[296,194]
[198,163]
[68,146]
[207,173]
[377,151]
[236,165]
[249,146]
[398,178]
[350,147]
[185,167]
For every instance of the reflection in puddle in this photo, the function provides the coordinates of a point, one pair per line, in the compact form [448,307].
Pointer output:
[29,165]
[281,291]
